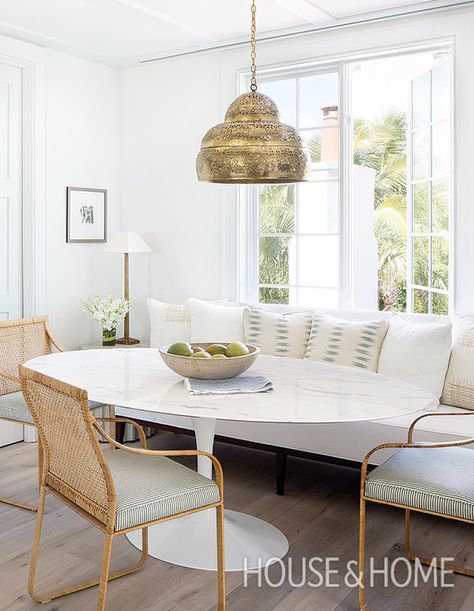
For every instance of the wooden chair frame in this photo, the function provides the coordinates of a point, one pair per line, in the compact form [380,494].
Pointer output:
[107,527]
[408,509]
[41,320]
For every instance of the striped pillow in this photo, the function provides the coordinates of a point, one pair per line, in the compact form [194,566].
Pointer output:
[346,342]
[278,334]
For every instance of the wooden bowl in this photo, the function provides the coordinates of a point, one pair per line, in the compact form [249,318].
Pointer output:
[209,369]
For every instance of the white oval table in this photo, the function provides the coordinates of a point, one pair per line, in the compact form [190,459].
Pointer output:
[304,392]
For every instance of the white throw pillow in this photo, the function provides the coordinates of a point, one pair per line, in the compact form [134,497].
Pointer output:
[278,334]
[215,323]
[417,353]
[458,388]
[169,322]
[346,342]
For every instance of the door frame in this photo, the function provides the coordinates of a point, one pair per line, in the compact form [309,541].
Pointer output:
[31,59]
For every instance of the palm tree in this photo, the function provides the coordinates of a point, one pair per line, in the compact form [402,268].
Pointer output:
[381,145]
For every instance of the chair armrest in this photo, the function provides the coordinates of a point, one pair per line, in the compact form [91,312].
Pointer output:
[429,415]
[401,445]
[216,464]
[138,427]
[56,344]
[10,377]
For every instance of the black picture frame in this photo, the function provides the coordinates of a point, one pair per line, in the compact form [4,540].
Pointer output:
[81,215]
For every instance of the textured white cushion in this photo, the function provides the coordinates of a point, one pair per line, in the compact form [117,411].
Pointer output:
[278,334]
[417,353]
[170,322]
[215,323]
[346,342]
[459,383]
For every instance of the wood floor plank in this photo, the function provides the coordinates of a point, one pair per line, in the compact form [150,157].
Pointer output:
[318,514]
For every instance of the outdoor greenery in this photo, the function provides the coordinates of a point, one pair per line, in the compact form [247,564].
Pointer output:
[380,145]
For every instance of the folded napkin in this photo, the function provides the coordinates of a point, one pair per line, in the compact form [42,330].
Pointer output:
[240,384]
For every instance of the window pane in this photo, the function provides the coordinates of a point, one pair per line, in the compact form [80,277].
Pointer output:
[420,261]
[440,268]
[318,259]
[440,304]
[421,208]
[440,148]
[323,146]
[273,295]
[275,258]
[440,85]
[277,209]
[320,298]
[420,301]
[421,152]
[421,100]
[283,93]
[316,92]
[318,207]
[440,206]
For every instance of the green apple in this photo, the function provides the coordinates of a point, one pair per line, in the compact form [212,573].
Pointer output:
[202,355]
[181,349]
[236,349]
[218,356]
[216,349]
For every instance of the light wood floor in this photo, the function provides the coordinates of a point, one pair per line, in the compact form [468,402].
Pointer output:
[318,514]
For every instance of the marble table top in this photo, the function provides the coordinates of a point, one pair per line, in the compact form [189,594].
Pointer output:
[305,391]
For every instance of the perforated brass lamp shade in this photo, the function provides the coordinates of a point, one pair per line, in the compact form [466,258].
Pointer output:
[253,146]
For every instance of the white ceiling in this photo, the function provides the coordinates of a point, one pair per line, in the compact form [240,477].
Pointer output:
[127,31]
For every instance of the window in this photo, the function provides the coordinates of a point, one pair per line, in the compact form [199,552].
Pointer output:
[429,174]
[347,237]
[298,225]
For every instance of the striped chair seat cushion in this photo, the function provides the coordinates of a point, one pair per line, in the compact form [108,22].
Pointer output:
[13,407]
[440,480]
[152,487]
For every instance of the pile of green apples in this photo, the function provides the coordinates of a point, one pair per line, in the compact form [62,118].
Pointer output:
[214,351]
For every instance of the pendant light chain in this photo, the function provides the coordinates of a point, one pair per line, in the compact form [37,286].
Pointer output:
[253,50]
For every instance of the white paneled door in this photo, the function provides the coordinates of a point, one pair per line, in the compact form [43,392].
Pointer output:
[10,210]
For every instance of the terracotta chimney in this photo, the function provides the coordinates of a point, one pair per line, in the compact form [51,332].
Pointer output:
[330,137]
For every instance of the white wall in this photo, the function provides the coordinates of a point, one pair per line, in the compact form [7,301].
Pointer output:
[166,110]
[168,106]
[83,150]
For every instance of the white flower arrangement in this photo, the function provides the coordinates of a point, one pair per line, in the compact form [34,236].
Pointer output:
[107,311]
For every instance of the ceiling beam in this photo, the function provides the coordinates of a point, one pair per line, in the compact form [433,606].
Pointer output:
[139,7]
[305,9]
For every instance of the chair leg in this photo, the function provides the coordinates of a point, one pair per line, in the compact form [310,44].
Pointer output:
[20,504]
[429,561]
[361,593]
[105,575]
[220,558]
[36,544]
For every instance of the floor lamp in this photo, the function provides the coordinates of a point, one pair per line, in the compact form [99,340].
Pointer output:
[126,242]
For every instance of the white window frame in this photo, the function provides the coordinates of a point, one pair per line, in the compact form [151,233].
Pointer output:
[247,217]
[411,184]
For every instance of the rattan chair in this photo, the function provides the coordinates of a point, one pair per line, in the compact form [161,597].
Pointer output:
[21,340]
[431,478]
[115,490]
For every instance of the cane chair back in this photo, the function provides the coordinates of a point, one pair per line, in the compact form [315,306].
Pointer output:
[74,464]
[21,340]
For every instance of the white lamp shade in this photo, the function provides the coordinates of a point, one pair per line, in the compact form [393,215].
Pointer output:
[127,241]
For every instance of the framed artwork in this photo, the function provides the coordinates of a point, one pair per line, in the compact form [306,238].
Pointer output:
[86,215]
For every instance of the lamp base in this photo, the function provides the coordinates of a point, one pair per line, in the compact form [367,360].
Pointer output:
[128,341]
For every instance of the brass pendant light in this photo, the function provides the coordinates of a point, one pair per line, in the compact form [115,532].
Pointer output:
[252,145]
